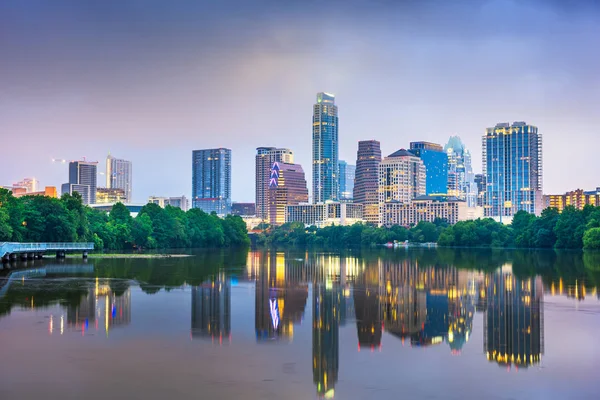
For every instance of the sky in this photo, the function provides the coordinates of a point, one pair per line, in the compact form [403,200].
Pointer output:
[150,81]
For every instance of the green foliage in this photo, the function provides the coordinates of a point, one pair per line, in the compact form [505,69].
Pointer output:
[570,228]
[44,219]
[591,239]
[477,233]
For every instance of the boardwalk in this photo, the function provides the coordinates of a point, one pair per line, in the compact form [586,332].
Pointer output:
[10,251]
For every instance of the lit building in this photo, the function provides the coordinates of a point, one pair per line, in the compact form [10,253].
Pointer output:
[325,214]
[211,180]
[347,176]
[134,209]
[461,179]
[325,149]
[512,165]
[481,186]
[106,195]
[576,198]
[243,209]
[435,160]
[287,186]
[514,321]
[177,201]
[49,191]
[402,177]
[29,184]
[82,179]
[427,208]
[265,157]
[211,309]
[366,182]
[119,176]
[326,337]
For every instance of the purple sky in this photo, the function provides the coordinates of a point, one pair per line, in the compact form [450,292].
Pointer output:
[150,81]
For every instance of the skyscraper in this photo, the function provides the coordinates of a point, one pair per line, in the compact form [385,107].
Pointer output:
[287,186]
[480,185]
[265,157]
[366,181]
[436,165]
[402,177]
[82,179]
[325,149]
[347,175]
[512,165]
[119,176]
[211,180]
[461,179]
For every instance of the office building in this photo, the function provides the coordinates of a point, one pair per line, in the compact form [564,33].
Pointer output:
[119,176]
[82,179]
[513,323]
[366,182]
[325,214]
[481,187]
[211,180]
[576,198]
[105,195]
[287,186]
[427,208]
[512,165]
[177,201]
[29,184]
[347,176]
[265,157]
[435,160]
[402,177]
[325,149]
[461,179]
[243,209]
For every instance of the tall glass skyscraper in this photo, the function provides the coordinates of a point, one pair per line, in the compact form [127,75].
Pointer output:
[83,180]
[287,186]
[325,149]
[347,175]
[366,182]
[436,164]
[512,165]
[119,175]
[461,179]
[211,180]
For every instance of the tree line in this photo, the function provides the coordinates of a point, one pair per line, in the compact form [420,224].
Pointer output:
[45,219]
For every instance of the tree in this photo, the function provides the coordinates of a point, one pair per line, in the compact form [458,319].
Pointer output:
[569,229]
[591,239]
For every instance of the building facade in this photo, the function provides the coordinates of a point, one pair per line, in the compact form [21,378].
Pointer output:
[29,184]
[82,179]
[265,157]
[119,175]
[481,186]
[325,214]
[512,164]
[245,209]
[461,179]
[347,176]
[287,186]
[106,195]
[211,180]
[49,191]
[178,202]
[576,198]
[366,181]
[325,149]
[435,160]
[425,208]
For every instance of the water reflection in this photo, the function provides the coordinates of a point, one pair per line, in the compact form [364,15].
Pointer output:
[211,309]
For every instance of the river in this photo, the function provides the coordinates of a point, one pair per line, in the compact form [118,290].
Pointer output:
[385,324]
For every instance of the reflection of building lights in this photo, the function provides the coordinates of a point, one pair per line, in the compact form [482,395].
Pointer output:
[51,328]
[62,324]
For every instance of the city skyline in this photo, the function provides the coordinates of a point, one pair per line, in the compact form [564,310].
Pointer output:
[74,94]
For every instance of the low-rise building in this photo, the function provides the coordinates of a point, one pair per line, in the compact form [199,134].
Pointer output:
[427,208]
[133,209]
[179,202]
[49,191]
[576,198]
[246,209]
[110,195]
[325,214]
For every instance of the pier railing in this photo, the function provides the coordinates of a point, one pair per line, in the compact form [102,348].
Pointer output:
[17,248]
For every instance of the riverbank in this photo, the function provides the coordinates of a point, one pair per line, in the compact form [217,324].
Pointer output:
[123,256]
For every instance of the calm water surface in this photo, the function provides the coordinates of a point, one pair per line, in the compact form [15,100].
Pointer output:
[418,324]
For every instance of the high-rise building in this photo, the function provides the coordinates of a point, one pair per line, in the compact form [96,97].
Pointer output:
[82,179]
[481,189]
[325,149]
[347,176]
[287,186]
[119,176]
[402,177]
[435,160]
[211,180]
[461,179]
[265,157]
[512,165]
[366,181]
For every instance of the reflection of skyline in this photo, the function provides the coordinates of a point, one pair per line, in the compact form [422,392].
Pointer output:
[514,322]
[327,299]
[211,309]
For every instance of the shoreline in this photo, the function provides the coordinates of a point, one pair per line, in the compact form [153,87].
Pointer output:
[124,256]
